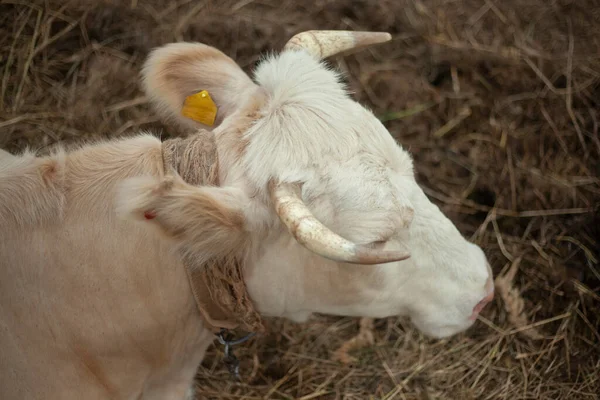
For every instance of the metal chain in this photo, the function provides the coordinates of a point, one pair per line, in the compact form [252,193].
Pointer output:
[230,360]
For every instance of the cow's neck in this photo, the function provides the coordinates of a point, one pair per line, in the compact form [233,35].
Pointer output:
[218,285]
[194,158]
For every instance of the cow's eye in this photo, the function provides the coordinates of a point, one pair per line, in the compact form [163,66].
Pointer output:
[378,244]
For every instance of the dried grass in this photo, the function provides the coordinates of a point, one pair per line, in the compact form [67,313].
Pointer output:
[514,304]
[498,103]
[364,338]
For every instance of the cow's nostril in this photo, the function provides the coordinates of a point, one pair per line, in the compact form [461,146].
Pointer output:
[481,305]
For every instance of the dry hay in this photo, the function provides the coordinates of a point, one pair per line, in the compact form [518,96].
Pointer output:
[498,103]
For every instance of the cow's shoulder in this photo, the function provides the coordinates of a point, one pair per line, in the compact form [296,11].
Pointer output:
[37,190]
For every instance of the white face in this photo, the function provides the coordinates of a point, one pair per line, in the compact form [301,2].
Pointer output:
[360,184]
[438,287]
[296,123]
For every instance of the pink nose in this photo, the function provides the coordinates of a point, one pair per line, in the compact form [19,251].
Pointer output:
[480,306]
[489,297]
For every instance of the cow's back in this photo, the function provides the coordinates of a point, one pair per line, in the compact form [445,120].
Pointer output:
[91,306]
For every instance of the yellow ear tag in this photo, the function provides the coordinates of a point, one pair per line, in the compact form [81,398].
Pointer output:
[200,107]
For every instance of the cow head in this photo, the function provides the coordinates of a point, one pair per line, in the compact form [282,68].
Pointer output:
[337,222]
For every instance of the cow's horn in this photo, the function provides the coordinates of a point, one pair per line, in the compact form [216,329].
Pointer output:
[323,44]
[316,237]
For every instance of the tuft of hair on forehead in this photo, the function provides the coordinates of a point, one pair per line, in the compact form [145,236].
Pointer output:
[292,75]
[309,121]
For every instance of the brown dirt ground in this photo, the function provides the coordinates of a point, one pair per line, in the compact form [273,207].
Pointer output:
[497,100]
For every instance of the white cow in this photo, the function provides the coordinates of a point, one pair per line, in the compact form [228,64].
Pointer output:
[119,260]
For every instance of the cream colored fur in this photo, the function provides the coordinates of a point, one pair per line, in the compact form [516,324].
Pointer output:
[93,306]
[203,223]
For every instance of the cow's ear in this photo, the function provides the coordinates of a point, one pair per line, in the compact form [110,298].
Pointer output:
[194,84]
[203,222]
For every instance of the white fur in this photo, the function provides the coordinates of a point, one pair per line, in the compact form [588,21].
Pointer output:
[361,184]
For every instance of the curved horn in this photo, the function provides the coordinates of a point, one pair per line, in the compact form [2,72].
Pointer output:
[323,44]
[316,237]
